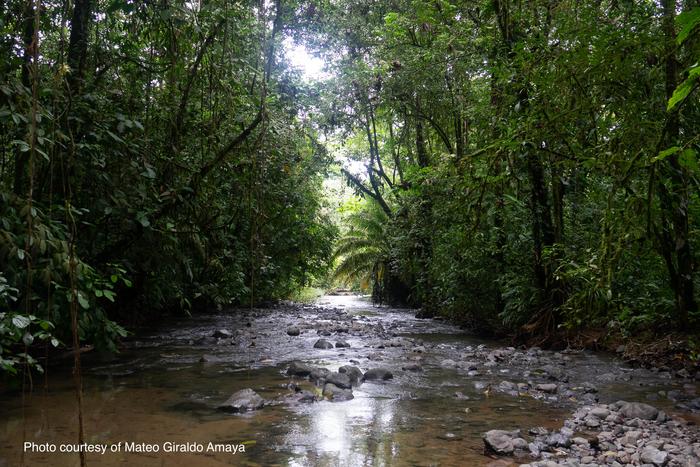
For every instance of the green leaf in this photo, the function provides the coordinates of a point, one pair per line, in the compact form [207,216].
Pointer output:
[687,21]
[683,89]
[20,321]
[114,137]
[688,159]
[114,278]
[43,153]
[54,342]
[149,173]
[27,338]
[109,295]
[665,153]
[143,220]
[83,301]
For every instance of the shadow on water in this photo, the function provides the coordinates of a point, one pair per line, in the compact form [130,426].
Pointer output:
[165,386]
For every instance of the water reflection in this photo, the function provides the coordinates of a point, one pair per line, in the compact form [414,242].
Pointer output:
[350,433]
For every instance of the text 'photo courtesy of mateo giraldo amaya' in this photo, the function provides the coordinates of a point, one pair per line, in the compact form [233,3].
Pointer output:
[135,447]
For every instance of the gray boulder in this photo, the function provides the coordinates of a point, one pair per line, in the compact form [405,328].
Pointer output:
[499,441]
[599,412]
[637,410]
[377,374]
[630,438]
[293,331]
[341,345]
[519,443]
[342,380]
[651,455]
[592,422]
[354,373]
[244,400]
[318,375]
[336,394]
[323,344]
[299,369]
[549,388]
[558,440]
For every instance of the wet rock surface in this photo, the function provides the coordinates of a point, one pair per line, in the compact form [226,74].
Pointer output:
[377,374]
[245,400]
[336,394]
[503,442]
[323,344]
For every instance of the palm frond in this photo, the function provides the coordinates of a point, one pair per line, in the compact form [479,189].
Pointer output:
[353,243]
[356,266]
[364,247]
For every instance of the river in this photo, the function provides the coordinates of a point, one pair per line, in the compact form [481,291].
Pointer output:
[165,386]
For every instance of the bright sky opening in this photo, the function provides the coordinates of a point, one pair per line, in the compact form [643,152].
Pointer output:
[312,67]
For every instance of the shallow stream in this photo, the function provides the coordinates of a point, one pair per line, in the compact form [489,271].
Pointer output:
[165,386]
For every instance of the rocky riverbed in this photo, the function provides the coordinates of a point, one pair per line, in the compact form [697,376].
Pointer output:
[619,434]
[342,382]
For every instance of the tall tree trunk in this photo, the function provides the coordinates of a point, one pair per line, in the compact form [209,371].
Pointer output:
[542,231]
[541,223]
[78,42]
[421,150]
[673,236]
[424,246]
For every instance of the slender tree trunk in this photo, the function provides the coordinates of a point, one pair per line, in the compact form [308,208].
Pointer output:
[557,203]
[22,157]
[499,214]
[459,136]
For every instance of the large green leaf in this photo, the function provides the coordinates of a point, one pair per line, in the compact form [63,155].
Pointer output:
[687,21]
[665,153]
[685,88]
[20,321]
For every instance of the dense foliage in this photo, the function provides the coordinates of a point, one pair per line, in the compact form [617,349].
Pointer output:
[537,161]
[528,166]
[156,156]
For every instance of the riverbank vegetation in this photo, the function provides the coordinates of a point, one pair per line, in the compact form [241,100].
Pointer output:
[537,163]
[521,167]
[155,157]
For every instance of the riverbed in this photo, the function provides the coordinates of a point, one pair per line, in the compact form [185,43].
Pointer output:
[447,389]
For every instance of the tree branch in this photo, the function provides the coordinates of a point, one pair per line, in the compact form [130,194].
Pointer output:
[375,195]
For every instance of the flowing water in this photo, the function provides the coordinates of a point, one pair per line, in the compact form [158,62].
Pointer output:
[165,386]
